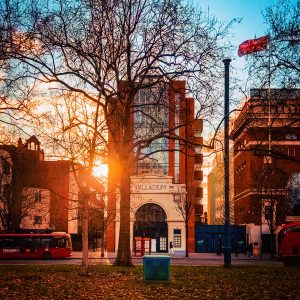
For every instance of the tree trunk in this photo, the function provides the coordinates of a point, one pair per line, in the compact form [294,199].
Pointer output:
[187,239]
[102,249]
[85,236]
[124,253]
[272,245]
[102,242]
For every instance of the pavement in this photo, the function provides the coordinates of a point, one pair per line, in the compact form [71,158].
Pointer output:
[194,259]
[112,255]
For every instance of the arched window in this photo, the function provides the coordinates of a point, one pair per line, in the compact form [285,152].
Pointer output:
[293,195]
[151,213]
[151,222]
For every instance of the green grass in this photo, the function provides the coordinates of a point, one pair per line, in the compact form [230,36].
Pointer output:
[107,282]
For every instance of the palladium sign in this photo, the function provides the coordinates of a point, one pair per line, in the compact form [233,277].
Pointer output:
[156,188]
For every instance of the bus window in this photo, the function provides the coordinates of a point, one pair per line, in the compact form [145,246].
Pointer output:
[61,243]
[294,229]
[68,242]
[18,241]
[25,244]
[46,242]
[8,243]
[36,244]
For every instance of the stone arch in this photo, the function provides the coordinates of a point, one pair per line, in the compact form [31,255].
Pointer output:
[151,222]
[152,202]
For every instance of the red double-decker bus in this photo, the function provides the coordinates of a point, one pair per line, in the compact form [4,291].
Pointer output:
[289,243]
[35,245]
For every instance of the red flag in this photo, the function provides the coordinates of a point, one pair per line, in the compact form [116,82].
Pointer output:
[255,45]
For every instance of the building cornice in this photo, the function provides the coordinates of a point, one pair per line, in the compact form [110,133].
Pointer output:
[247,147]
[258,192]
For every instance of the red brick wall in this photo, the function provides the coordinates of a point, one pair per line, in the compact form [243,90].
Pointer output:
[58,173]
[248,176]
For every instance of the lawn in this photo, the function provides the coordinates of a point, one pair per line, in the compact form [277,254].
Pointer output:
[107,282]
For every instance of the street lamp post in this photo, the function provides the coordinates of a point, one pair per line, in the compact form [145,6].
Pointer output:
[227,248]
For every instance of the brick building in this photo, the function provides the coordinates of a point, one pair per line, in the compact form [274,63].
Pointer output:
[216,185]
[36,194]
[161,180]
[22,176]
[266,135]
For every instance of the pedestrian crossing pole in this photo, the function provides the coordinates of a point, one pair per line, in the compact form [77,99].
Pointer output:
[227,247]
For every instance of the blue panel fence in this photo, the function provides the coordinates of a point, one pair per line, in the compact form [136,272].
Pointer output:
[210,238]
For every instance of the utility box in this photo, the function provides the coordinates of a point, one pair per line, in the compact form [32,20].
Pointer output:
[156,267]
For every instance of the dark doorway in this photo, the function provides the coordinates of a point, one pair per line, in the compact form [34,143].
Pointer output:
[150,222]
[266,243]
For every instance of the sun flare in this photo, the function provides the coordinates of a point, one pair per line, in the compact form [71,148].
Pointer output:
[100,170]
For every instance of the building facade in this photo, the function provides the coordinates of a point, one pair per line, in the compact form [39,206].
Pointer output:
[216,186]
[169,175]
[41,195]
[21,174]
[266,135]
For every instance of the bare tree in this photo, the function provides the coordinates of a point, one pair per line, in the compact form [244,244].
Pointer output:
[35,211]
[186,207]
[105,51]
[99,220]
[272,204]
[78,132]
[280,64]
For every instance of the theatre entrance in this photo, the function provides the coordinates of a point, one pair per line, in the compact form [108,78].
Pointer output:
[150,222]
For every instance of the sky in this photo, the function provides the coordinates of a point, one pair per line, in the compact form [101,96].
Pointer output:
[251,26]
[252,23]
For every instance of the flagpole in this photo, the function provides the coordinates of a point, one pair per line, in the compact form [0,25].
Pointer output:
[268,156]
[269,159]
[227,248]
[269,98]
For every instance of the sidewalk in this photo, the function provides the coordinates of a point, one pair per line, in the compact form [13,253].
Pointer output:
[192,256]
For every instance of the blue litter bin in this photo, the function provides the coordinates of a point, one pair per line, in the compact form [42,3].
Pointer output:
[156,267]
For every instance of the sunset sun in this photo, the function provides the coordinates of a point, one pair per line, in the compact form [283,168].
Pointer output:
[100,170]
